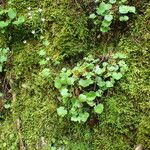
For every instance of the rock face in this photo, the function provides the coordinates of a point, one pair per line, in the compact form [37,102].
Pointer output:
[139,147]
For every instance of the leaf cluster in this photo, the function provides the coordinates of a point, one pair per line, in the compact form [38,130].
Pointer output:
[106,12]
[83,87]
[8,17]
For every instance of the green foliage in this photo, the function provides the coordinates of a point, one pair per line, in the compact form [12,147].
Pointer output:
[122,124]
[9,18]
[83,86]
[106,12]
[3,57]
[99,108]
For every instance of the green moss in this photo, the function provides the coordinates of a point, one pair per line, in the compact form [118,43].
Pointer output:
[125,121]
[9,138]
[143,131]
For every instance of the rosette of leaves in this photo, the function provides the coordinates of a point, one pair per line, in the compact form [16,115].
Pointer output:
[8,17]
[82,87]
[106,12]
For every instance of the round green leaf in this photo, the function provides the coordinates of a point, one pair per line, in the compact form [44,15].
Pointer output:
[92,16]
[61,111]
[108,18]
[116,75]
[91,103]
[100,82]
[64,92]
[43,62]
[99,108]
[104,29]
[84,116]
[109,84]
[99,93]
[106,23]
[20,20]
[57,83]
[91,96]
[97,69]
[42,52]
[103,7]
[112,1]
[70,80]
[111,68]
[45,72]
[85,83]
[4,24]
[124,18]
[123,9]
[7,106]
[121,63]
[131,9]
[82,98]
[12,13]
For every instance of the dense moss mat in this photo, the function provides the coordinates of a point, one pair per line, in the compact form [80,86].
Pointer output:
[33,122]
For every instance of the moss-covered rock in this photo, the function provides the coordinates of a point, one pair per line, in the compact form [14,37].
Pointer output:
[125,121]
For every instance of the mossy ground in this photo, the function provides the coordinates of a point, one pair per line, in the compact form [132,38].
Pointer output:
[32,120]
